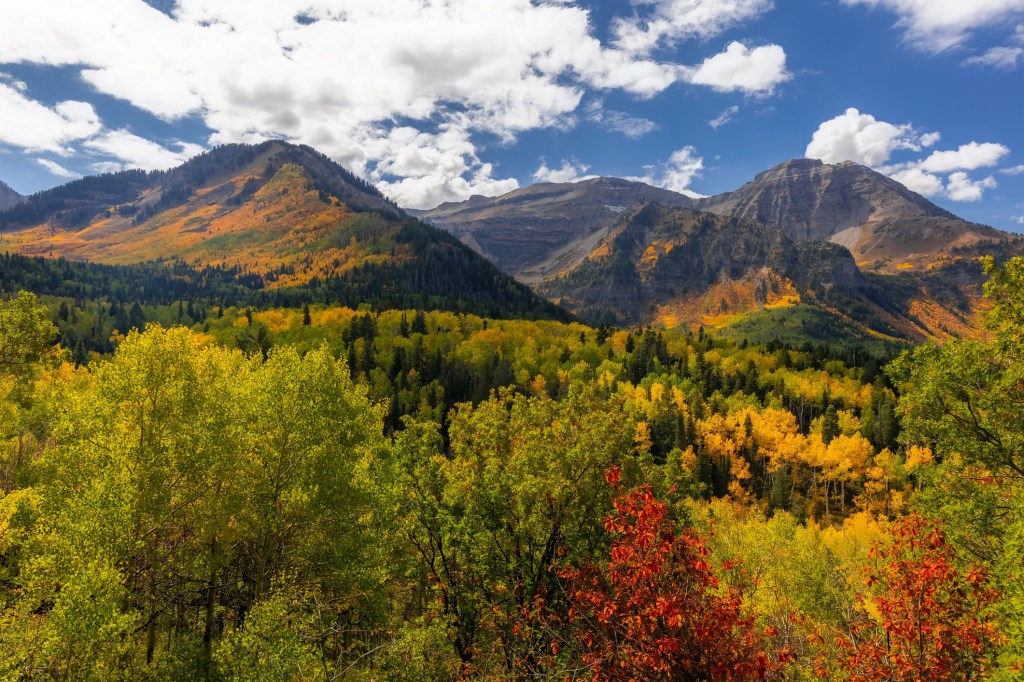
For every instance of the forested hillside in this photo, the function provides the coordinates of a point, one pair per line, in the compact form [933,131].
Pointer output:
[266,224]
[318,492]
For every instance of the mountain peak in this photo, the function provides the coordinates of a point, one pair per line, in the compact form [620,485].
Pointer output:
[77,204]
[8,197]
[878,219]
[540,230]
[275,217]
[794,165]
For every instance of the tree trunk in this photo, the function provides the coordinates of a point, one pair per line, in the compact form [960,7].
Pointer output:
[211,602]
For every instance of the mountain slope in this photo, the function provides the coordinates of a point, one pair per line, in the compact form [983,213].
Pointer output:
[884,224]
[8,197]
[282,216]
[544,229]
[680,266]
[674,267]
[567,240]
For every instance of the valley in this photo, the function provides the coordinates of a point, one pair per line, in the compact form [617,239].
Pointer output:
[338,440]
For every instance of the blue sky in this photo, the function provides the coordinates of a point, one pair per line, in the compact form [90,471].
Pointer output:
[437,100]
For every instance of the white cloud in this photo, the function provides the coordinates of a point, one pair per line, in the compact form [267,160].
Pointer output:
[853,136]
[751,71]
[72,126]
[138,152]
[938,25]
[57,169]
[31,125]
[449,71]
[428,191]
[724,117]
[1019,219]
[570,171]
[999,57]
[633,127]
[969,156]
[1013,170]
[676,174]
[423,170]
[106,166]
[674,20]
[960,187]
[19,85]
[917,180]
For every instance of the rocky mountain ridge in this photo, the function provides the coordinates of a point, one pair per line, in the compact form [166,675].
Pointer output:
[658,258]
[800,234]
[884,224]
[547,228]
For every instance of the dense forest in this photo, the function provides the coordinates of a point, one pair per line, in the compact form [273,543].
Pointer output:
[444,276]
[203,487]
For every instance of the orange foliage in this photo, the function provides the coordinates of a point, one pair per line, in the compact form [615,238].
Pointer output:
[657,611]
[930,618]
[284,229]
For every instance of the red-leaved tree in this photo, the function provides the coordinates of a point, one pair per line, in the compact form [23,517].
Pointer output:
[922,618]
[656,611]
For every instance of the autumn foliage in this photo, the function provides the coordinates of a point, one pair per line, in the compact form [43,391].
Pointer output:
[922,618]
[657,610]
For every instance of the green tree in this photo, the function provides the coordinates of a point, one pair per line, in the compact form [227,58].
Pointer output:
[187,483]
[965,399]
[26,334]
[523,485]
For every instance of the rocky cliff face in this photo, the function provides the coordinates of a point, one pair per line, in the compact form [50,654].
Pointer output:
[800,233]
[8,197]
[544,229]
[882,222]
[656,258]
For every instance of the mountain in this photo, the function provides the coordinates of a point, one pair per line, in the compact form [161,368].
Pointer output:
[8,197]
[805,250]
[277,217]
[677,265]
[544,229]
[885,225]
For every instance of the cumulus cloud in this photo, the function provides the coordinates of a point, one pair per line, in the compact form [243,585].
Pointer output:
[853,136]
[633,127]
[960,187]
[676,174]
[1013,170]
[739,68]
[570,171]
[428,191]
[138,152]
[338,76]
[917,180]
[33,126]
[939,25]
[969,156]
[56,169]
[724,117]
